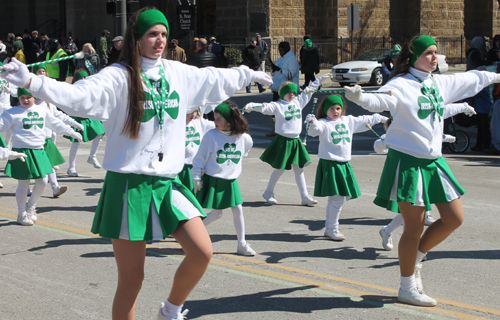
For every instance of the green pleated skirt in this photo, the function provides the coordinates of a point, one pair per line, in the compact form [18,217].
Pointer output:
[437,185]
[2,142]
[282,152]
[92,129]
[55,157]
[335,178]
[140,192]
[218,193]
[186,177]
[35,166]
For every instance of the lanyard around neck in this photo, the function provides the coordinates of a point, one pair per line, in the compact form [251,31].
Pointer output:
[158,106]
[431,93]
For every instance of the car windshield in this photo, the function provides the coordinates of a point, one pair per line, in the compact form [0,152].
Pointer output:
[373,55]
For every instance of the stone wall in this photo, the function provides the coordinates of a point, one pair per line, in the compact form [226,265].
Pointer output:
[443,18]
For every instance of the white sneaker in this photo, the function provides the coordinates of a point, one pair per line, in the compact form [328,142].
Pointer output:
[93,161]
[1,184]
[24,219]
[308,201]
[418,277]
[270,198]
[386,239]
[245,250]
[72,172]
[55,167]
[57,191]
[334,234]
[416,298]
[31,211]
[179,316]
[429,220]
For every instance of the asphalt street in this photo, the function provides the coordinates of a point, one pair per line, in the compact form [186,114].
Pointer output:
[57,269]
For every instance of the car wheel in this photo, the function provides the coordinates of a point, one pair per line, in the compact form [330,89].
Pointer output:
[344,84]
[377,78]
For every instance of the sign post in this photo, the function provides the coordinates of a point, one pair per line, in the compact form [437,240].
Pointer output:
[352,22]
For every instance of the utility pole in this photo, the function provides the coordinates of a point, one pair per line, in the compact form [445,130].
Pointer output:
[121,17]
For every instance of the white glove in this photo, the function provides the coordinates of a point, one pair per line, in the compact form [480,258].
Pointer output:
[16,73]
[497,79]
[249,107]
[17,155]
[310,118]
[326,76]
[353,93]
[449,138]
[383,119]
[5,88]
[76,135]
[470,111]
[79,126]
[382,137]
[262,77]
[197,184]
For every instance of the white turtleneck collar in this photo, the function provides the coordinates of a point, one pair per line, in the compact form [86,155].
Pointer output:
[419,73]
[147,63]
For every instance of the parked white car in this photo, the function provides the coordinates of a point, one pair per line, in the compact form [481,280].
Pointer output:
[366,68]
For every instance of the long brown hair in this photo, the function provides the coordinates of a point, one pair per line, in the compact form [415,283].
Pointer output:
[130,56]
[402,65]
[239,124]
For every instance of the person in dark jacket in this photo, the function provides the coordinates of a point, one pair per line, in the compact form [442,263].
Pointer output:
[492,57]
[309,61]
[252,56]
[203,58]
[474,55]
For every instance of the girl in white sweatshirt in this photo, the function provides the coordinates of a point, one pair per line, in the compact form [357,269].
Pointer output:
[142,102]
[27,122]
[415,174]
[220,155]
[334,176]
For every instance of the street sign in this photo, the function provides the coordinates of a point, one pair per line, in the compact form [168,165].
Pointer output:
[353,17]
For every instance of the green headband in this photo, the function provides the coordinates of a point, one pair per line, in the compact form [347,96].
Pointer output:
[149,18]
[419,46]
[81,74]
[22,92]
[291,87]
[330,101]
[38,67]
[225,111]
[308,43]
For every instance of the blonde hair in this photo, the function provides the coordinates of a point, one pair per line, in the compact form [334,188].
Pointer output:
[91,48]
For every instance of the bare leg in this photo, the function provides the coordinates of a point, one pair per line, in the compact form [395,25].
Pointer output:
[130,257]
[409,243]
[196,243]
[452,216]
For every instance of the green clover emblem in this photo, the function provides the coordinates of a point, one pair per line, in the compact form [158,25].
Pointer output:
[172,102]
[426,107]
[33,119]
[341,134]
[292,112]
[228,154]
[192,136]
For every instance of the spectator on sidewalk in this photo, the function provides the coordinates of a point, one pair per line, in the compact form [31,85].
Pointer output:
[474,55]
[115,50]
[252,56]
[193,49]
[265,50]
[309,61]
[102,48]
[174,52]
[202,58]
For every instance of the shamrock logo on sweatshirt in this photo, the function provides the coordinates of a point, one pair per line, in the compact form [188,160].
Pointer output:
[33,119]
[426,108]
[341,134]
[292,112]
[192,136]
[172,102]
[228,154]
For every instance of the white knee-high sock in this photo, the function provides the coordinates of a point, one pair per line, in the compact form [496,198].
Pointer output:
[394,224]
[37,191]
[52,179]
[72,154]
[333,209]
[95,144]
[239,223]
[22,195]
[300,179]
[54,137]
[212,216]
[273,180]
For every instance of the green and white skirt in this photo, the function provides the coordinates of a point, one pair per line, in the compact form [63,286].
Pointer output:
[35,166]
[282,152]
[186,177]
[92,129]
[2,142]
[139,207]
[335,178]
[218,193]
[55,157]
[420,182]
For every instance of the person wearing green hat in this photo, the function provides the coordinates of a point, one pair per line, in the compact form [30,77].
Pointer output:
[388,63]
[309,61]
[415,174]
[142,101]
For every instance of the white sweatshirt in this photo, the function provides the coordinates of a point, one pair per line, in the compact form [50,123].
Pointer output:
[288,113]
[104,97]
[195,131]
[27,125]
[221,155]
[59,115]
[4,153]
[335,137]
[416,129]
